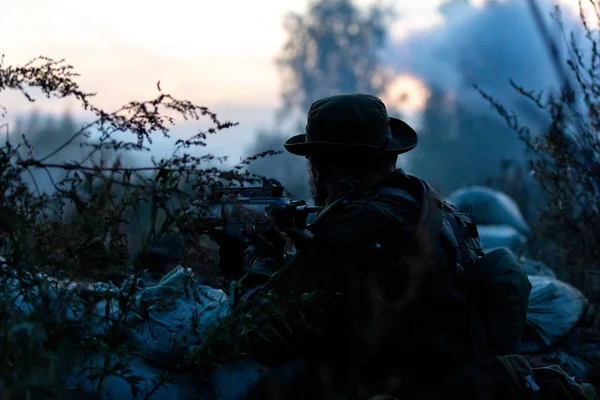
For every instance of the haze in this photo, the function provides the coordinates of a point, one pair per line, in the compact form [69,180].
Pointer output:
[215,53]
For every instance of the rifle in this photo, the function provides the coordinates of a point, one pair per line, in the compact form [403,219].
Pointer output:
[232,215]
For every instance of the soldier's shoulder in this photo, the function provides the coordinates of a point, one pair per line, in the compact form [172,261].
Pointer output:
[380,209]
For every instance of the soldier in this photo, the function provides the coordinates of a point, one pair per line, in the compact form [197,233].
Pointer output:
[388,300]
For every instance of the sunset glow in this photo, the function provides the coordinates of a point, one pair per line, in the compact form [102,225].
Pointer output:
[209,52]
[407,93]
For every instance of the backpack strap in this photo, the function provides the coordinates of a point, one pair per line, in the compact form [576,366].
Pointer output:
[430,223]
[466,264]
[434,213]
[462,256]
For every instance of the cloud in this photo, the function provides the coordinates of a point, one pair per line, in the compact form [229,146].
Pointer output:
[486,45]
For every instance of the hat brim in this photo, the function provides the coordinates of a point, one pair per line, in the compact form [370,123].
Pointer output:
[404,139]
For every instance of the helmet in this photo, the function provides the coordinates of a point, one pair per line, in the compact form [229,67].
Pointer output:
[487,206]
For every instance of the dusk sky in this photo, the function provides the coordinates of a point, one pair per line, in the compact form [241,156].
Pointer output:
[209,51]
[215,53]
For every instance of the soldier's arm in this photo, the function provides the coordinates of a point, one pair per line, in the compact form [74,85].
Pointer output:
[325,273]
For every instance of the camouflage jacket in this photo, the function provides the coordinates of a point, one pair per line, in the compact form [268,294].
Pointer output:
[387,264]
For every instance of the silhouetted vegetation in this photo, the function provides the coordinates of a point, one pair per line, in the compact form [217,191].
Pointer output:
[77,230]
[334,48]
[565,159]
[80,218]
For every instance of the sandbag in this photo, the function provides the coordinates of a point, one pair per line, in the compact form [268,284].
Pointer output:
[149,383]
[574,365]
[487,206]
[535,267]
[236,380]
[578,354]
[180,313]
[177,312]
[584,343]
[500,236]
[179,309]
[246,379]
[554,309]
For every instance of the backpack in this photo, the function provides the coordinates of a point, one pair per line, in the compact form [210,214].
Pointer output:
[498,292]
[497,286]
[498,296]
[493,285]
[508,377]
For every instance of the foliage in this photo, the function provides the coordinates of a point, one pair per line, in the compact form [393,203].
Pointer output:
[37,240]
[514,180]
[474,143]
[290,170]
[334,48]
[233,336]
[566,158]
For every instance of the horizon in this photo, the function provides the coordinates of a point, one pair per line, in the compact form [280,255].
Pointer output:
[182,54]
[123,60]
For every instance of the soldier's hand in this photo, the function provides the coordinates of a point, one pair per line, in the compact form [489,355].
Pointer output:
[255,263]
[269,243]
[258,269]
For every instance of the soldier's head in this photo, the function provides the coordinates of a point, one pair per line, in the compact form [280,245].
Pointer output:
[350,136]
[487,206]
[325,173]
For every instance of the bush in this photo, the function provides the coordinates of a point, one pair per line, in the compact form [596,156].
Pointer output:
[565,158]
[77,231]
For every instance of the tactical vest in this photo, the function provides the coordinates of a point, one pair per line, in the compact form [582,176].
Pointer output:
[495,289]
[493,299]
[491,291]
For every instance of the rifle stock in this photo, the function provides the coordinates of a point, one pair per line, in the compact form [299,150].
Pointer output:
[231,215]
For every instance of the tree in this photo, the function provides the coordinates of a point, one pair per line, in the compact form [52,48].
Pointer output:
[566,156]
[458,146]
[43,253]
[333,48]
